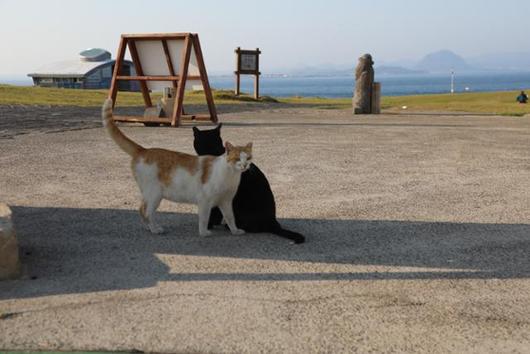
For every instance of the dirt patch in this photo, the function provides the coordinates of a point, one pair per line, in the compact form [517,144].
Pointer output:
[22,119]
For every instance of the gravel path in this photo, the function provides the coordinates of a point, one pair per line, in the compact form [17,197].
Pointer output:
[418,231]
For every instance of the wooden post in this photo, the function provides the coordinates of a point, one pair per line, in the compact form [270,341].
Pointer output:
[376,98]
[256,87]
[238,84]
[117,69]
[256,81]
[204,78]
[169,63]
[238,65]
[185,60]
[140,72]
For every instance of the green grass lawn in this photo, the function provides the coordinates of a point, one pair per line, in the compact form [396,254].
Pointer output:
[489,102]
[502,103]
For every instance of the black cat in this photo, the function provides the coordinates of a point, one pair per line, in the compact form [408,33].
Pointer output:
[254,206]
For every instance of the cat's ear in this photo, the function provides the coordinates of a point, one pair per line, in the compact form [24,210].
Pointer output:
[195,131]
[228,146]
[219,126]
[249,146]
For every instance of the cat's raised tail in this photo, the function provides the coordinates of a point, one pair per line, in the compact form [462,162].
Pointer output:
[123,142]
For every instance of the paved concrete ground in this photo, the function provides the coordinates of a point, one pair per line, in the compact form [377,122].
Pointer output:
[418,231]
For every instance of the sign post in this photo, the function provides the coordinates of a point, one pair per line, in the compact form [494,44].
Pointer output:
[162,61]
[247,63]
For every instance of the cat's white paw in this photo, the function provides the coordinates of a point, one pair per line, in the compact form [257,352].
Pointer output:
[238,232]
[156,229]
[205,233]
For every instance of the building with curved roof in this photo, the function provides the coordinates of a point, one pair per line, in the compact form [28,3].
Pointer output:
[92,70]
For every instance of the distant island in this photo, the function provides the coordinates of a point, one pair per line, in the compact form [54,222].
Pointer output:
[331,71]
[397,70]
[442,61]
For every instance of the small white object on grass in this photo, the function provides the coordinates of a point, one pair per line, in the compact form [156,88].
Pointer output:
[404,107]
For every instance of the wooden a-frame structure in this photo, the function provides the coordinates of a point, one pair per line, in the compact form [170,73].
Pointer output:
[175,54]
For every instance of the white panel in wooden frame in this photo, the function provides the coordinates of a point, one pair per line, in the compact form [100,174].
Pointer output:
[153,60]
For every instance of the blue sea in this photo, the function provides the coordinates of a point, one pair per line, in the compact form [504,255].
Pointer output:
[342,86]
[335,87]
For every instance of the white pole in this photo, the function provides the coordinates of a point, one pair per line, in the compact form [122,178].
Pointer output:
[452,81]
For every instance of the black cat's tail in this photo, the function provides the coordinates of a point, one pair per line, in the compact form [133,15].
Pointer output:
[291,235]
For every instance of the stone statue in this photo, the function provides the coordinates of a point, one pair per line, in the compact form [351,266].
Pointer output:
[364,82]
[9,261]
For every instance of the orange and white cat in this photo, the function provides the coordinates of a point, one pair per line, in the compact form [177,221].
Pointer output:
[206,181]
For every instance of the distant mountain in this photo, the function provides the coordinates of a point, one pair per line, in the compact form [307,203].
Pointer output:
[443,61]
[437,62]
[396,70]
[344,70]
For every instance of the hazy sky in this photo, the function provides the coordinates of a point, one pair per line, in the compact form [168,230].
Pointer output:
[289,33]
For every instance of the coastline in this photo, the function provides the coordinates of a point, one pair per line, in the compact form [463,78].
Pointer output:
[341,86]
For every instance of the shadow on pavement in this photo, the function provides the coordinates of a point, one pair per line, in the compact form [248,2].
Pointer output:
[85,250]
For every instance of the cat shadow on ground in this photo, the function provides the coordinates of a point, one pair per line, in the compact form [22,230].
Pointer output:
[68,251]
